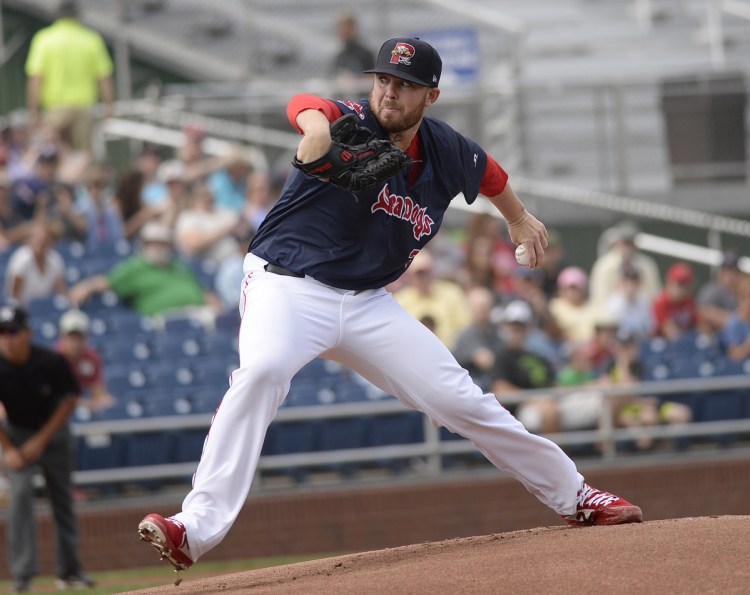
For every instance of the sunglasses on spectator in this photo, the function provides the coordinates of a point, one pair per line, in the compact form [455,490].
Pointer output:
[10,331]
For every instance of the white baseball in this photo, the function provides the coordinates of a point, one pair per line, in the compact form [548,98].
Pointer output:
[522,255]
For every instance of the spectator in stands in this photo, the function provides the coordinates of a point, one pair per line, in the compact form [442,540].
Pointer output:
[174,176]
[577,410]
[229,275]
[104,224]
[72,163]
[489,256]
[736,333]
[717,299]
[35,269]
[571,307]
[203,231]
[13,228]
[153,282]
[619,248]
[629,306]
[192,153]
[128,200]
[517,368]
[229,182]
[600,349]
[478,344]
[68,70]
[636,410]
[353,57]
[62,215]
[39,393]
[579,366]
[263,190]
[554,263]
[148,163]
[426,295]
[675,311]
[546,337]
[19,159]
[29,192]
[84,360]
[584,407]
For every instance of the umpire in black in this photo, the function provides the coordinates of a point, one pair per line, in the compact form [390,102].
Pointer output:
[39,393]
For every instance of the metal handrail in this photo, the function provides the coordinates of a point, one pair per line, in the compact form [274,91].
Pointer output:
[432,448]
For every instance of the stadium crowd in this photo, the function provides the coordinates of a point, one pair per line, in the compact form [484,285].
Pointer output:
[178,216]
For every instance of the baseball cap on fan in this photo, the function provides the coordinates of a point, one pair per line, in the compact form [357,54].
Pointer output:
[411,59]
[74,321]
[13,317]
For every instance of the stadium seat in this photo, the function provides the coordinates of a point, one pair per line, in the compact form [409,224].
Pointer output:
[184,326]
[294,437]
[349,391]
[123,350]
[175,348]
[47,307]
[396,428]
[206,399]
[188,445]
[303,392]
[228,322]
[168,374]
[718,405]
[124,322]
[102,301]
[342,433]
[149,448]
[100,451]
[70,251]
[114,251]
[220,343]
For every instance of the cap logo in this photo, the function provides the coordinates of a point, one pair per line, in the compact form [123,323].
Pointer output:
[6,314]
[402,54]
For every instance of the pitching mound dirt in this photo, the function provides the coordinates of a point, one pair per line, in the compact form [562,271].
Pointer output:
[689,555]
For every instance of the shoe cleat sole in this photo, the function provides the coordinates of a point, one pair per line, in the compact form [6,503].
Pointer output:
[154,536]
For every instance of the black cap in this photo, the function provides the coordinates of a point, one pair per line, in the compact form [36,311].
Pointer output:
[411,59]
[13,316]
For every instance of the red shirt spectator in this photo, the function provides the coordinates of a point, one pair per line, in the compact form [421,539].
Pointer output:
[674,307]
[87,368]
[84,360]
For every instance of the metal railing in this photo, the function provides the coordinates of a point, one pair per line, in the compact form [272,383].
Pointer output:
[432,449]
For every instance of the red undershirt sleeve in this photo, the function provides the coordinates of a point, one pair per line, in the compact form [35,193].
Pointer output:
[494,180]
[300,103]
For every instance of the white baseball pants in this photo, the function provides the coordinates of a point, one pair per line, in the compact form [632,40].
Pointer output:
[287,322]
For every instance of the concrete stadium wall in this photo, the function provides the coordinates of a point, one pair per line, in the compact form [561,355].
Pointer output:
[361,519]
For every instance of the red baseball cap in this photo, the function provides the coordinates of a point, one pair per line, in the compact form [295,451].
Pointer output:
[680,272]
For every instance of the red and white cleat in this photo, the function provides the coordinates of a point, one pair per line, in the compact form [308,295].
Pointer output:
[595,507]
[168,537]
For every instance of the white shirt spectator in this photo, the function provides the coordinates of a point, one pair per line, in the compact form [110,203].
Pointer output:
[204,224]
[36,282]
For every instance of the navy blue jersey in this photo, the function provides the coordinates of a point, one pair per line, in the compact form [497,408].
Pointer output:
[367,240]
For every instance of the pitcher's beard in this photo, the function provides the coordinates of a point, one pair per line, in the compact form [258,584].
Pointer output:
[404,121]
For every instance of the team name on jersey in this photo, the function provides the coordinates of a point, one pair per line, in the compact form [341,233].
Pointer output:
[356,107]
[404,208]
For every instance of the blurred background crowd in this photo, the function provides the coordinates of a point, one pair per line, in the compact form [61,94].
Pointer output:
[134,263]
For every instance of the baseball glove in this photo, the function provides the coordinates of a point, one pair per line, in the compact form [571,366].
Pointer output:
[356,160]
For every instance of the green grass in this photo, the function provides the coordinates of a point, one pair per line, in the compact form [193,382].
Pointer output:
[119,581]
